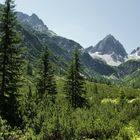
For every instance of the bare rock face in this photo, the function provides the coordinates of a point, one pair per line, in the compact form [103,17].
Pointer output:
[110,50]
[135,54]
[32,21]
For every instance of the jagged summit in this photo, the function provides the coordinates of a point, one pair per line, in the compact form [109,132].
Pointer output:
[109,36]
[109,50]
[109,45]
[34,15]
[34,21]
[135,54]
[136,50]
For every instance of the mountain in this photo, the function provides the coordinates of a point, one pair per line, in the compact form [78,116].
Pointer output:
[133,79]
[62,48]
[37,35]
[109,50]
[128,68]
[34,22]
[135,54]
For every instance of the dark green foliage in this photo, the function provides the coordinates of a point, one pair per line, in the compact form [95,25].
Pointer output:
[122,98]
[74,86]
[95,89]
[28,108]
[10,62]
[29,69]
[106,119]
[46,83]
[133,79]
[128,67]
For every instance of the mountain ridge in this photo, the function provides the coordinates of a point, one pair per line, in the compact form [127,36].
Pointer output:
[104,54]
[135,54]
[62,48]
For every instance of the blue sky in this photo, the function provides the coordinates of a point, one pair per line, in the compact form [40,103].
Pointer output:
[88,21]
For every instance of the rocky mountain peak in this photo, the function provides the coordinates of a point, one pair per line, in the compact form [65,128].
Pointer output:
[135,50]
[135,54]
[109,50]
[110,45]
[34,16]
[33,21]
[110,37]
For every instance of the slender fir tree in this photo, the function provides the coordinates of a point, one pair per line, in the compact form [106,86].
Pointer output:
[29,69]
[10,64]
[46,83]
[74,86]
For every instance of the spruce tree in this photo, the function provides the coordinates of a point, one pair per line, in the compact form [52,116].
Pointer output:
[10,64]
[46,85]
[74,86]
[29,69]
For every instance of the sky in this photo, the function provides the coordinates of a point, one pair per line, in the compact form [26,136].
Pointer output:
[89,21]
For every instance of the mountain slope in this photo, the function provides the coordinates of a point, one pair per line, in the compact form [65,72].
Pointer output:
[61,48]
[91,66]
[35,39]
[109,50]
[128,67]
[133,79]
[135,54]
[32,21]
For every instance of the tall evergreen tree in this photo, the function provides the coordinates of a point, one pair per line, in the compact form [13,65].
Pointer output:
[10,63]
[74,86]
[29,69]
[46,83]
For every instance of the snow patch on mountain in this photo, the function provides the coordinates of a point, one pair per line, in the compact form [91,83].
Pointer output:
[108,50]
[135,54]
[107,58]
